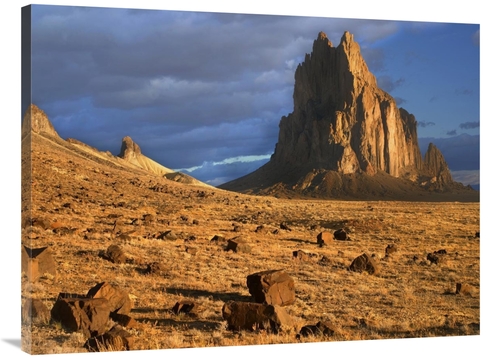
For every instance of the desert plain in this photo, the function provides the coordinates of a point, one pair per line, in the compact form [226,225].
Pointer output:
[84,202]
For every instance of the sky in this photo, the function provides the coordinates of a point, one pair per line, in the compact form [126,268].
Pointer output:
[204,92]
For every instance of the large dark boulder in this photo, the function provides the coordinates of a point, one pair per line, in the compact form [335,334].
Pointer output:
[271,287]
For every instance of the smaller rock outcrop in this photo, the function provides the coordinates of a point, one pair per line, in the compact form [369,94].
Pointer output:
[36,120]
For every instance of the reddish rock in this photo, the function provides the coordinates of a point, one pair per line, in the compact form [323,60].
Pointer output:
[303,256]
[320,329]
[255,316]
[156,268]
[86,315]
[115,254]
[463,288]
[341,235]
[324,238]
[272,287]
[238,245]
[119,300]
[391,248]
[184,306]
[364,263]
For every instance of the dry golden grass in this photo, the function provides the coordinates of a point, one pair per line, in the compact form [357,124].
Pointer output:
[409,298]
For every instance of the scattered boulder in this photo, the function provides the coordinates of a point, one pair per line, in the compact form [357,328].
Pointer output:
[191,250]
[320,329]
[238,245]
[463,288]
[37,262]
[437,257]
[341,235]
[274,287]
[167,235]
[185,306]
[119,300]
[86,315]
[285,226]
[259,229]
[304,256]
[34,311]
[255,316]
[391,248]
[156,268]
[116,339]
[364,263]
[324,238]
[324,261]
[218,239]
[115,254]
[148,218]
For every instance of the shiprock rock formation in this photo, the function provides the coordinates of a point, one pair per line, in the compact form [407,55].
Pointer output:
[346,137]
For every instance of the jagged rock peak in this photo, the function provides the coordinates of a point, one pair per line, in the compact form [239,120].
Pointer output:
[436,165]
[341,120]
[35,119]
[323,38]
[129,148]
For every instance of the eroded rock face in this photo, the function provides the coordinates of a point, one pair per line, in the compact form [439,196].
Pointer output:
[36,120]
[341,120]
[346,137]
[129,150]
[436,168]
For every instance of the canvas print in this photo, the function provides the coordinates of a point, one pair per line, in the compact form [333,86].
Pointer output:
[194,180]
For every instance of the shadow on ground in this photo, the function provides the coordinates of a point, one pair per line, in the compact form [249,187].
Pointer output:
[196,293]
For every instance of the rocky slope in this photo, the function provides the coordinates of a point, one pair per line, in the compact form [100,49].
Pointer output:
[37,124]
[346,138]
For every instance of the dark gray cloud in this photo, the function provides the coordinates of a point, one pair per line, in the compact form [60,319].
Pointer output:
[425,124]
[451,133]
[469,125]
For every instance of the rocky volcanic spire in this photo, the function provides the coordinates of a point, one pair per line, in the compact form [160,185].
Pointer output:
[341,120]
[129,150]
[346,137]
[436,166]
[36,120]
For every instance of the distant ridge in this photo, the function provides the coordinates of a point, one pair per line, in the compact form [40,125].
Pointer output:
[36,121]
[347,139]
